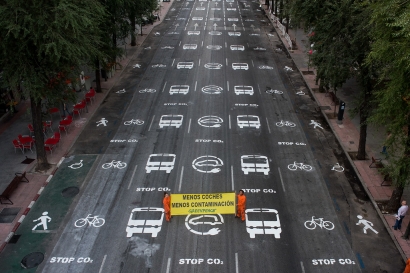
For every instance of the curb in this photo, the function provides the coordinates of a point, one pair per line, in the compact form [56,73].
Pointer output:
[381,215]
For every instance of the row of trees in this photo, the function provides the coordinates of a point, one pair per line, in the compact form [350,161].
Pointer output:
[367,40]
[44,44]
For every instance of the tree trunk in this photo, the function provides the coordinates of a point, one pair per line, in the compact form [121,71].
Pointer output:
[267,2]
[42,163]
[281,11]
[361,152]
[133,37]
[98,76]
[287,24]
[395,199]
[272,8]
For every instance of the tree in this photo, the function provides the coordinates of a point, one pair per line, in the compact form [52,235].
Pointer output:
[44,42]
[389,52]
[341,44]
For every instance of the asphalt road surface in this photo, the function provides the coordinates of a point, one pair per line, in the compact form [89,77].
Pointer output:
[191,115]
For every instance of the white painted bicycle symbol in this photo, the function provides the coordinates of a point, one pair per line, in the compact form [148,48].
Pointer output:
[148,90]
[285,123]
[338,168]
[312,224]
[114,164]
[134,121]
[288,69]
[270,91]
[122,91]
[265,67]
[76,165]
[295,166]
[91,220]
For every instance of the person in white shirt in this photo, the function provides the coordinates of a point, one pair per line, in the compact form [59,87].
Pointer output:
[400,214]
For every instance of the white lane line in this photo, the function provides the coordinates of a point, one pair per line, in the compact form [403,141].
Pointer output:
[281,180]
[151,123]
[180,43]
[199,62]
[236,263]
[267,122]
[253,63]
[168,265]
[259,89]
[202,44]
[180,178]
[204,27]
[189,126]
[226,61]
[196,82]
[132,177]
[232,180]
[163,89]
[173,62]
[226,45]
[227,85]
[303,268]
[102,264]
[229,121]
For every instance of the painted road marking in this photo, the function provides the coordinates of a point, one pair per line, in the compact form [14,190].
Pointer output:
[281,180]
[151,123]
[267,123]
[232,179]
[102,264]
[132,177]
[180,178]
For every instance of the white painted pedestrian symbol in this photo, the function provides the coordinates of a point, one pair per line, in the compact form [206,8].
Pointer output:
[76,165]
[301,166]
[367,224]
[285,123]
[147,48]
[207,164]
[269,226]
[315,124]
[144,225]
[157,33]
[136,66]
[270,34]
[90,220]
[134,121]
[103,121]
[202,221]
[338,168]
[43,221]
[300,93]
[114,164]
[288,69]
[318,222]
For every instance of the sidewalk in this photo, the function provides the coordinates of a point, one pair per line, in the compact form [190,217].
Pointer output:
[347,134]
[24,197]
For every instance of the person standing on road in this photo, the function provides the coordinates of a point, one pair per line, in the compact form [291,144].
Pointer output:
[400,215]
[167,206]
[241,205]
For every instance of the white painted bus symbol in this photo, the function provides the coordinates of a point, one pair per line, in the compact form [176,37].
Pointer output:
[160,162]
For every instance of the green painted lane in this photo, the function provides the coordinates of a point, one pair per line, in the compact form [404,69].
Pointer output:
[47,214]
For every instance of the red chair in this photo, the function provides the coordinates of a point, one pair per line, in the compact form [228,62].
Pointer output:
[30,127]
[63,128]
[54,110]
[57,136]
[18,145]
[48,124]
[49,148]
[76,111]
[89,96]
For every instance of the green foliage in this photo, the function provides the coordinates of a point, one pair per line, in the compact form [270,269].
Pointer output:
[44,42]
[390,52]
